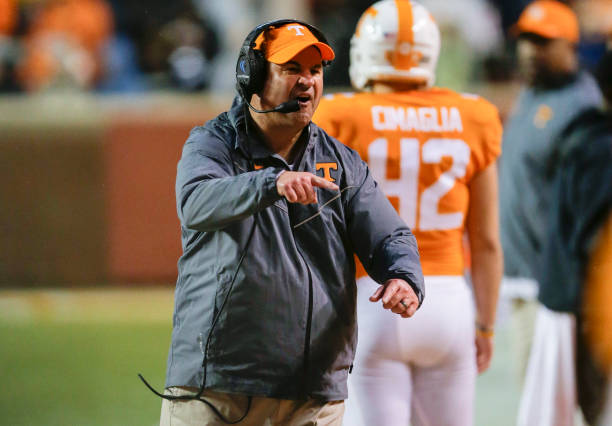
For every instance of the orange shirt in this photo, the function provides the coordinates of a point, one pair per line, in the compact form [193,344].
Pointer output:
[8,16]
[81,25]
[89,22]
[423,147]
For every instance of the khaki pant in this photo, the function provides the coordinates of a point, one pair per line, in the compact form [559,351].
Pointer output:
[263,411]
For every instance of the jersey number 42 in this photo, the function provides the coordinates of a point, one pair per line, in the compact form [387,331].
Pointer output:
[406,188]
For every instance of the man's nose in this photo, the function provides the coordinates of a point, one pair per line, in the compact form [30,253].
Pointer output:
[306,79]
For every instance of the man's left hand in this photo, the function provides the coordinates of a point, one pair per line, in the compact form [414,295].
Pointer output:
[398,296]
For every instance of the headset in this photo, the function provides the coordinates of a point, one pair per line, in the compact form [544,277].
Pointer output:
[251,65]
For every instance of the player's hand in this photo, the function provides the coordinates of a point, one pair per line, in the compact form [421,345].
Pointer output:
[484,352]
[398,296]
[299,187]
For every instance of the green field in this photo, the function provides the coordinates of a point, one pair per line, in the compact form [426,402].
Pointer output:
[72,358]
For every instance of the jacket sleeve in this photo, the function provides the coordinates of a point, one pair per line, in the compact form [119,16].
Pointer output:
[383,242]
[209,194]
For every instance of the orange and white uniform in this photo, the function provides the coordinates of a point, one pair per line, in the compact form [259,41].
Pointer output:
[423,148]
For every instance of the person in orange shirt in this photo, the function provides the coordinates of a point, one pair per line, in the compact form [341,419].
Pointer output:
[433,151]
[8,17]
[63,44]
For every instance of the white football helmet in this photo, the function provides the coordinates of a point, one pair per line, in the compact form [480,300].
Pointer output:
[395,40]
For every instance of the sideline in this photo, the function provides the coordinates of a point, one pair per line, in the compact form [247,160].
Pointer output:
[141,304]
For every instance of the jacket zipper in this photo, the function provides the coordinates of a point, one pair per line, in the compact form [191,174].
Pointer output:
[308,331]
[306,364]
[301,167]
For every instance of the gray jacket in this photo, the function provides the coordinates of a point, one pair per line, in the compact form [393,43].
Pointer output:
[527,164]
[278,277]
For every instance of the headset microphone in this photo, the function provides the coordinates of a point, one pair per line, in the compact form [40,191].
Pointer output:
[291,106]
[286,107]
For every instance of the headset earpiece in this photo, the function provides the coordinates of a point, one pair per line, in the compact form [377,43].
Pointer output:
[250,68]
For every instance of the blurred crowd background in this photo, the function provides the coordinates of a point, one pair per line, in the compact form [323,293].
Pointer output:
[97,98]
[127,46]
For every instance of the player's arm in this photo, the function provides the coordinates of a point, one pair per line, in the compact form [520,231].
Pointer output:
[487,260]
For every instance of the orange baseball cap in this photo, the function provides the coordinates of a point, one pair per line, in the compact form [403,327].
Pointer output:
[548,19]
[281,44]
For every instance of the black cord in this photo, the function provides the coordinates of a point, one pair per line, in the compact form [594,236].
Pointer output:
[198,396]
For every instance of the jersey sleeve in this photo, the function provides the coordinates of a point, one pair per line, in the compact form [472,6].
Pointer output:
[336,115]
[487,124]
[324,117]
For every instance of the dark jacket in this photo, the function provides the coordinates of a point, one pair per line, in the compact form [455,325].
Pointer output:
[278,278]
[581,203]
[530,147]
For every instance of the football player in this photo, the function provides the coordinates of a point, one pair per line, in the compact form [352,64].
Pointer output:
[433,151]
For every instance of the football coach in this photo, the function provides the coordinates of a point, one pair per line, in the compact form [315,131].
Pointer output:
[272,212]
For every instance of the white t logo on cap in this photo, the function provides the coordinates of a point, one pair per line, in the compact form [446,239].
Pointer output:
[297,28]
[536,12]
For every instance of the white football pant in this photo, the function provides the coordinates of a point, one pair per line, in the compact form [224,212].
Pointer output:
[420,369]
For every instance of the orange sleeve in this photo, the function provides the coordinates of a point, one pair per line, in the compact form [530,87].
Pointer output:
[336,115]
[95,22]
[488,124]
[8,16]
[598,297]
[324,117]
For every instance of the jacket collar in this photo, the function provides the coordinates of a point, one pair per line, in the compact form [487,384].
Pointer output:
[248,142]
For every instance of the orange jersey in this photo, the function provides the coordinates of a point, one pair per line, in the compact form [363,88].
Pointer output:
[423,147]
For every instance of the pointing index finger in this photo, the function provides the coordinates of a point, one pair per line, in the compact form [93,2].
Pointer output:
[322,183]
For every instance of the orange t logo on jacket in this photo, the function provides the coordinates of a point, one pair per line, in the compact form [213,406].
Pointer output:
[326,167]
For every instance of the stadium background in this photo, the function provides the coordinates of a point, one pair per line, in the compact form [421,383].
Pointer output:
[89,237]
